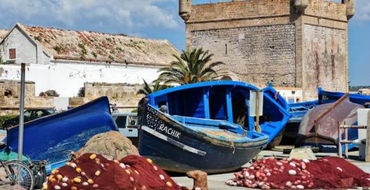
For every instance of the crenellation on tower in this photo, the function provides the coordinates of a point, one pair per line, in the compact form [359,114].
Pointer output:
[292,43]
[184,9]
[301,5]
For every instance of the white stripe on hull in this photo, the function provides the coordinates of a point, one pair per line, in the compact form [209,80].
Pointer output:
[174,142]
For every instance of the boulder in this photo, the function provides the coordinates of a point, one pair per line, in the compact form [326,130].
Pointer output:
[111,145]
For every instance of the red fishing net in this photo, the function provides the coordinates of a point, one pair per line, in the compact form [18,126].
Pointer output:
[324,173]
[91,171]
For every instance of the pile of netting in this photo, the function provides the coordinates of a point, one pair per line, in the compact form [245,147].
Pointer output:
[323,173]
[92,171]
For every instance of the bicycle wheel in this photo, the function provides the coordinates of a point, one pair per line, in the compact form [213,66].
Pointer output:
[26,178]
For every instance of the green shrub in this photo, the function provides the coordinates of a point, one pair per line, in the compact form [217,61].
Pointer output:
[4,118]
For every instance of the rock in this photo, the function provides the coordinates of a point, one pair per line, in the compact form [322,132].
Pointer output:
[200,179]
[302,153]
[112,145]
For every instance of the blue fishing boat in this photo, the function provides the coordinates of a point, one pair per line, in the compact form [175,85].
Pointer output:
[319,127]
[299,112]
[330,97]
[53,137]
[275,132]
[206,126]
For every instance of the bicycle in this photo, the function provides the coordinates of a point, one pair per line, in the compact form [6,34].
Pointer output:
[27,174]
[17,174]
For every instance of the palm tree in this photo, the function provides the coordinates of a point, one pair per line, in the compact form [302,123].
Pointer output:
[191,67]
[148,89]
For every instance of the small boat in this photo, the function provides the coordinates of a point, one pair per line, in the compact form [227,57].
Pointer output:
[276,132]
[206,126]
[54,137]
[319,127]
[299,110]
[329,97]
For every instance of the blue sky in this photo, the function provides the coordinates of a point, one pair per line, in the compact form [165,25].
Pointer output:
[158,19]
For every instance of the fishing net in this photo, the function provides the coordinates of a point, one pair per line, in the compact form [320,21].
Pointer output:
[91,171]
[111,145]
[324,173]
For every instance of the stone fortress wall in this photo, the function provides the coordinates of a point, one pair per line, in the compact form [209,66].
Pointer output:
[292,43]
[121,94]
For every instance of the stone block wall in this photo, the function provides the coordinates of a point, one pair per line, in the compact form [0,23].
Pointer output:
[250,51]
[10,105]
[122,94]
[325,52]
[267,40]
[8,87]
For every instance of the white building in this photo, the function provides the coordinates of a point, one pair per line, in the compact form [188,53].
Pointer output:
[291,95]
[64,60]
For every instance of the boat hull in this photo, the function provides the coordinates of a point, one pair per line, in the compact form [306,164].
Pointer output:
[330,97]
[53,138]
[176,148]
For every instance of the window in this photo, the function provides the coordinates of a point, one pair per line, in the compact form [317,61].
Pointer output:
[121,122]
[12,54]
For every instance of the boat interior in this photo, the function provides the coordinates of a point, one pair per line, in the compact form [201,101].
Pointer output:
[218,108]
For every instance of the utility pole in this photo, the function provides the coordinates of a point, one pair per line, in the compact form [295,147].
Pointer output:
[367,150]
[21,111]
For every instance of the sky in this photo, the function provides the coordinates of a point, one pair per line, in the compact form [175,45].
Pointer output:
[158,19]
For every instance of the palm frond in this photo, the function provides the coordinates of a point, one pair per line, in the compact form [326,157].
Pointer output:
[191,66]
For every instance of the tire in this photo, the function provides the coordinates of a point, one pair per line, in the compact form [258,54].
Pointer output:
[40,178]
[26,181]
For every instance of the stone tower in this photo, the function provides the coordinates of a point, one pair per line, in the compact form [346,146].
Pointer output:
[292,43]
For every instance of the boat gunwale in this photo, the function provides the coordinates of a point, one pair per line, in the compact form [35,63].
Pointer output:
[50,117]
[202,85]
[260,141]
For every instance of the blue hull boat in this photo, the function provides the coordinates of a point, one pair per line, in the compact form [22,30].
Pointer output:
[299,110]
[206,126]
[319,127]
[53,137]
[330,97]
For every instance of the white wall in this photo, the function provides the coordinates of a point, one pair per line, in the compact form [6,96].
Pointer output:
[68,78]
[291,94]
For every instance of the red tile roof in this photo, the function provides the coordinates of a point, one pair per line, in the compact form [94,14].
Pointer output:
[102,47]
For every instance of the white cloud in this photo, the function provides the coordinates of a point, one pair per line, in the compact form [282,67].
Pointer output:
[71,13]
[362,10]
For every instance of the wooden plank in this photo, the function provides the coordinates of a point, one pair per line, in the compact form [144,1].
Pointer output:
[206,103]
[229,105]
[339,141]
[346,144]
[367,151]
[258,128]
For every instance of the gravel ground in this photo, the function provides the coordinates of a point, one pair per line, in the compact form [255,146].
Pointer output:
[217,181]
